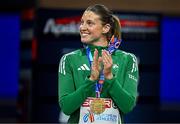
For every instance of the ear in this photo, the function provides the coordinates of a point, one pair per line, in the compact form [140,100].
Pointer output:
[106,28]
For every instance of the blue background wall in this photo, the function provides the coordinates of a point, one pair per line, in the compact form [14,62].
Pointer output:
[9,54]
[170,61]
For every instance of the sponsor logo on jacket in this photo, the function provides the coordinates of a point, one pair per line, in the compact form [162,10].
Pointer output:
[84,67]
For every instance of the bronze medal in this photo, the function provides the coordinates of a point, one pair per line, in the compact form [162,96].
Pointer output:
[97,106]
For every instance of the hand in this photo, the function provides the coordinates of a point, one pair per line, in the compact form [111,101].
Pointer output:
[95,67]
[108,63]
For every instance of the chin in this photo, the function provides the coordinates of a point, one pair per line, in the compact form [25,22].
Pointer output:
[84,41]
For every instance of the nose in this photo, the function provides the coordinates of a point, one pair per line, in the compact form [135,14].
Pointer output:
[82,26]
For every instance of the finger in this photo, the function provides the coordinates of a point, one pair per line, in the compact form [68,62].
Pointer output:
[109,58]
[106,57]
[95,55]
[103,57]
[100,60]
[95,58]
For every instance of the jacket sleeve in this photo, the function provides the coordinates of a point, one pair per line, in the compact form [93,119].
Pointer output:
[124,94]
[70,99]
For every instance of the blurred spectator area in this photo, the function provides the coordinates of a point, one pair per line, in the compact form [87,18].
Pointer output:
[157,6]
[16,33]
[16,5]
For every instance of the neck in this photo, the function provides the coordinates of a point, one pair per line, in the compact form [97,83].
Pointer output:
[103,43]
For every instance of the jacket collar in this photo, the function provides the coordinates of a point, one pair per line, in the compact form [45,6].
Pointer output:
[92,48]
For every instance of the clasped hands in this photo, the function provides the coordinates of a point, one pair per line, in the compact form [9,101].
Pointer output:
[104,61]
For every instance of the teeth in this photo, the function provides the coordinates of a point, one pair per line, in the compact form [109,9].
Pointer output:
[84,34]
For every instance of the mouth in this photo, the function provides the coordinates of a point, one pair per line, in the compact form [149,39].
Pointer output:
[84,34]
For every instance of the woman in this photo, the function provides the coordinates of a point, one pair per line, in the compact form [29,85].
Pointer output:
[97,85]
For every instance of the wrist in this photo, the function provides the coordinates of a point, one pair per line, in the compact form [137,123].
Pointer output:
[108,76]
[92,79]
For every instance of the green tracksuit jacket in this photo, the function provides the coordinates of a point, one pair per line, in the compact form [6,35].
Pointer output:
[75,86]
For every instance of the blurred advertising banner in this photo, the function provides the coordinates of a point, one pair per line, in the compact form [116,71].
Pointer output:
[58,23]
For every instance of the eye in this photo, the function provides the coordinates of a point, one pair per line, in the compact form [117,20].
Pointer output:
[90,23]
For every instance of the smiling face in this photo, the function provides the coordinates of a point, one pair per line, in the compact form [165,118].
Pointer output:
[91,29]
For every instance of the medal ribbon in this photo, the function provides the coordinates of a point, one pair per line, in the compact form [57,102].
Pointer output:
[113,45]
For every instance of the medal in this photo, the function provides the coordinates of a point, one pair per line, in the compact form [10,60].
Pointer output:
[97,106]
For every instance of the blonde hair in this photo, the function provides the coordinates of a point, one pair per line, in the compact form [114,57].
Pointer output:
[116,27]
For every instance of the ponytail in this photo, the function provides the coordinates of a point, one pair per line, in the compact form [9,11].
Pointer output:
[116,27]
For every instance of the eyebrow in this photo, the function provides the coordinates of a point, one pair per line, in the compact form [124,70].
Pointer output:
[87,20]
